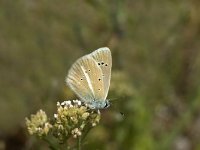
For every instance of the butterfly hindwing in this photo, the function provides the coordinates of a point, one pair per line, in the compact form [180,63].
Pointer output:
[85,79]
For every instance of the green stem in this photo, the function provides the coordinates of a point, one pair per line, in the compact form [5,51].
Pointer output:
[79,143]
[52,146]
[86,132]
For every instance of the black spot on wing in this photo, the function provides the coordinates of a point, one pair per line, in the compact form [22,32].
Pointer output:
[102,63]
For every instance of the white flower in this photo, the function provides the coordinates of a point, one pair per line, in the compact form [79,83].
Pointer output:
[68,102]
[85,115]
[60,109]
[75,136]
[70,106]
[60,127]
[63,103]
[79,103]
[79,133]
[55,115]
[94,124]
[58,103]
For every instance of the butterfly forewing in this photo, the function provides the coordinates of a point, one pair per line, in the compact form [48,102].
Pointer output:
[103,59]
[85,79]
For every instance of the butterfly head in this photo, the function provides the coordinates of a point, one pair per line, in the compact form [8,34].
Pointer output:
[99,104]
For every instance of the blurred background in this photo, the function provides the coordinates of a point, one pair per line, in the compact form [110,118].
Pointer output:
[155,77]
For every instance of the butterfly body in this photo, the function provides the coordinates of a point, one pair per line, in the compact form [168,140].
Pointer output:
[89,77]
[100,104]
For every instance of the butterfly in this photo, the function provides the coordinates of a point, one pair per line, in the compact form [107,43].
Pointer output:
[89,77]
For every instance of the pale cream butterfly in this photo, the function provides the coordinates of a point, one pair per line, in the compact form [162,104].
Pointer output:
[89,77]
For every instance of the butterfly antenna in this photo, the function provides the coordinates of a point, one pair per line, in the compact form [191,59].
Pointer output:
[114,106]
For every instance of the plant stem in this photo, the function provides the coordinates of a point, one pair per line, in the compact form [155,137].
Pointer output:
[52,146]
[86,132]
[79,143]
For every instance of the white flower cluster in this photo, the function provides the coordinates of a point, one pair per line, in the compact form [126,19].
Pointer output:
[70,104]
[76,132]
[70,119]
[77,102]
[38,124]
[66,105]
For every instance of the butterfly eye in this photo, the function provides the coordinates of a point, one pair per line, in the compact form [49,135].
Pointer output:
[107,104]
[99,64]
[99,79]
[81,79]
[106,64]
